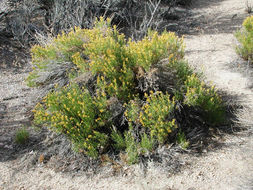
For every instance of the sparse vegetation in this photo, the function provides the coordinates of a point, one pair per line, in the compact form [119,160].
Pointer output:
[122,104]
[182,141]
[22,136]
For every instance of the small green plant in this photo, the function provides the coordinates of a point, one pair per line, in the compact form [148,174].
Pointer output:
[22,136]
[182,69]
[245,38]
[132,148]
[119,140]
[147,143]
[181,140]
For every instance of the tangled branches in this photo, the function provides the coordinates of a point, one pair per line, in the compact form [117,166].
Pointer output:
[23,19]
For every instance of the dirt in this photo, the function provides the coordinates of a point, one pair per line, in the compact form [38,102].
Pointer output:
[210,48]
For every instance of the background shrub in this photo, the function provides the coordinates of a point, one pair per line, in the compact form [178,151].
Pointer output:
[245,38]
[25,20]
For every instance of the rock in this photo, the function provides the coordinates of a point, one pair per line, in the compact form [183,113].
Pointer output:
[8,146]
[41,158]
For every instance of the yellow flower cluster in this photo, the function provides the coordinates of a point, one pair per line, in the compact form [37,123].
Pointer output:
[80,62]
[197,93]
[248,23]
[155,114]
[245,38]
[73,112]
[154,47]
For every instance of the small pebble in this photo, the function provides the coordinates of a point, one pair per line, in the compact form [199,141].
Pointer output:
[8,147]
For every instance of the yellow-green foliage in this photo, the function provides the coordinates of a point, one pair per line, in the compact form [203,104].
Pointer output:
[63,47]
[131,145]
[197,94]
[155,47]
[73,112]
[155,115]
[60,49]
[181,140]
[248,23]
[132,148]
[245,37]
[85,116]
[108,57]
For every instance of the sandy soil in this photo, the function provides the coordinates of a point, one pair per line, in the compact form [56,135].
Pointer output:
[209,48]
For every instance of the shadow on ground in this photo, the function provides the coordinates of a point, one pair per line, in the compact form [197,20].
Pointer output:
[11,57]
[243,67]
[205,3]
[191,22]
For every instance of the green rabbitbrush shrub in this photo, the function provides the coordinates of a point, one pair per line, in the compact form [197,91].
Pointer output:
[245,38]
[114,112]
